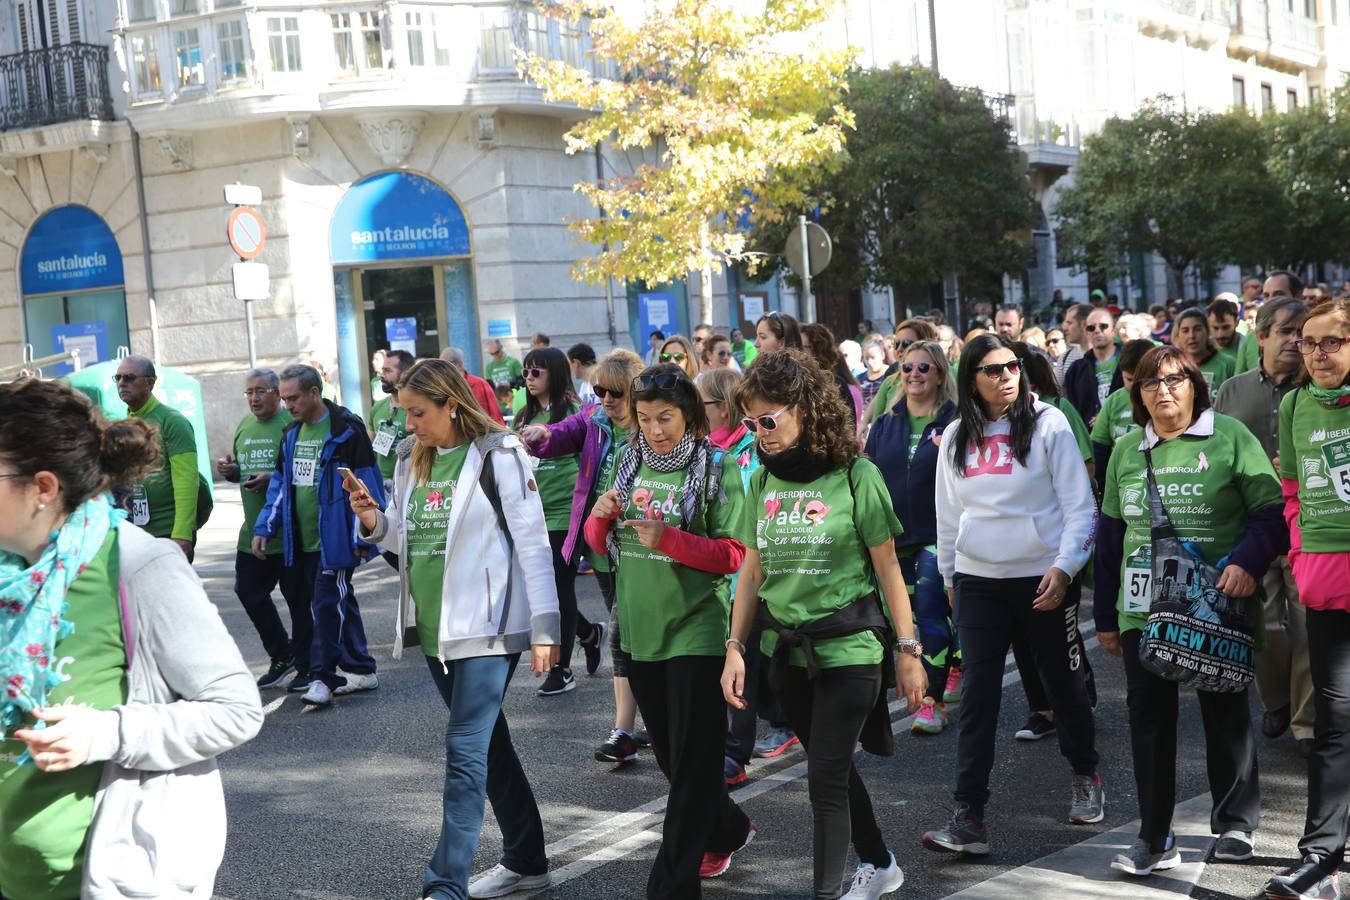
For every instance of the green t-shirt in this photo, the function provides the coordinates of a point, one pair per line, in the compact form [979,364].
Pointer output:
[1080,431]
[152,501]
[1315,451]
[557,479]
[744,353]
[1115,420]
[667,609]
[916,426]
[1217,369]
[503,371]
[44,816]
[426,519]
[390,427]
[604,481]
[1105,372]
[882,401]
[256,445]
[1210,486]
[1248,353]
[305,479]
[813,542]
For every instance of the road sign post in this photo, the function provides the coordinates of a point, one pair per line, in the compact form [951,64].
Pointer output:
[808,301]
[808,252]
[246,233]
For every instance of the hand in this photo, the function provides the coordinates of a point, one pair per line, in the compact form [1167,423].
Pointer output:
[733,678]
[257,482]
[1050,593]
[259,545]
[534,434]
[1276,462]
[1235,582]
[186,547]
[358,496]
[913,680]
[649,531]
[543,657]
[950,603]
[606,505]
[66,741]
[226,468]
[362,553]
[1110,641]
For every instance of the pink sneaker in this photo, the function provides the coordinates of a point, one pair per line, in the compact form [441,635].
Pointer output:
[931,719]
[952,692]
[715,865]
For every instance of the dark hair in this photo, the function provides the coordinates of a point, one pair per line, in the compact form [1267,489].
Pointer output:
[1223,309]
[1192,312]
[541,338]
[1295,283]
[405,359]
[1080,311]
[1149,367]
[1131,352]
[553,361]
[304,375]
[710,342]
[791,378]
[1156,308]
[1327,306]
[1010,307]
[971,415]
[581,353]
[783,327]
[826,352]
[658,334]
[51,427]
[1039,372]
[1265,316]
[682,394]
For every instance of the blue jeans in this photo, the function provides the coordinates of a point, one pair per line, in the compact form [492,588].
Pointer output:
[480,761]
[339,636]
[932,617]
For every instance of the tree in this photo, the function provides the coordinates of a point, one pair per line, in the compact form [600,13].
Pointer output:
[1308,157]
[741,103]
[1191,187]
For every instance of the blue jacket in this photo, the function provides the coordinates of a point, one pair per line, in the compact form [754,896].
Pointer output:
[1080,385]
[348,445]
[912,483]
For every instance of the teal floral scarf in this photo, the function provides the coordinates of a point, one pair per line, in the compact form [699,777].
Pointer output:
[33,608]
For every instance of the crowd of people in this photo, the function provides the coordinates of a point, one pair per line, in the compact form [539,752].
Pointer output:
[782,530]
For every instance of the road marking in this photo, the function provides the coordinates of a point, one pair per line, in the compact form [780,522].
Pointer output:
[274,706]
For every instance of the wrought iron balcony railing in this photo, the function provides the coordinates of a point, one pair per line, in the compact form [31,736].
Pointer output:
[58,84]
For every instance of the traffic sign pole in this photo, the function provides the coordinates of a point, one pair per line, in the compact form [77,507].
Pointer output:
[248,324]
[246,233]
[808,301]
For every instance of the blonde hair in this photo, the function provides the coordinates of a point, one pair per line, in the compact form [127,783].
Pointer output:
[946,382]
[1034,336]
[442,382]
[720,385]
[617,369]
[692,362]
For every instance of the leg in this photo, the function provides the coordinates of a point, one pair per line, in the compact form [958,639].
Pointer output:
[565,580]
[1272,663]
[253,582]
[298,591]
[512,799]
[1230,757]
[1152,702]
[1054,640]
[625,707]
[473,691]
[932,618]
[354,657]
[982,614]
[742,723]
[1301,708]
[1329,765]
[307,587]
[1037,698]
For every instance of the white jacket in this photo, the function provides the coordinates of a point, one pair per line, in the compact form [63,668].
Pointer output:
[494,601]
[1007,520]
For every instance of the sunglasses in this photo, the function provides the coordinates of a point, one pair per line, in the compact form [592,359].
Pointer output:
[603,392]
[1100,326]
[904,344]
[767,422]
[722,354]
[534,373]
[119,379]
[660,381]
[672,357]
[995,370]
[924,368]
[1054,340]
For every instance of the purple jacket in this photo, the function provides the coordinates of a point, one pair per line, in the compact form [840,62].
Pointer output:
[590,433]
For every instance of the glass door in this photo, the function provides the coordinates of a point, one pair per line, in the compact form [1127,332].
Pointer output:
[400,310]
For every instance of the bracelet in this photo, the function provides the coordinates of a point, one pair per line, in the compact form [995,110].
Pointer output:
[739,645]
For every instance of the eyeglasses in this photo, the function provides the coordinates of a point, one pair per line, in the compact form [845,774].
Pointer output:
[904,344]
[1328,345]
[923,368]
[767,422]
[119,379]
[672,357]
[1100,326]
[603,392]
[1173,382]
[660,381]
[1054,340]
[259,392]
[534,373]
[995,370]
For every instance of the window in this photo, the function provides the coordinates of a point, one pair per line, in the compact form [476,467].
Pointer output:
[428,39]
[1267,99]
[231,51]
[283,40]
[1291,100]
[536,33]
[187,51]
[183,7]
[1314,95]
[495,48]
[1239,93]
[572,44]
[145,63]
[356,42]
[221,4]
[139,10]
[413,23]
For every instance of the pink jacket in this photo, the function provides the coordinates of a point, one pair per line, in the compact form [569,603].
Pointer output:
[1323,579]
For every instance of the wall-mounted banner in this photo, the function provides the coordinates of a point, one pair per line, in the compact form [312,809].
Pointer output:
[397,215]
[70,249]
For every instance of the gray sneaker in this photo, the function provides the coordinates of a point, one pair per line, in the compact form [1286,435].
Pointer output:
[357,683]
[1089,800]
[1235,846]
[1140,860]
[499,881]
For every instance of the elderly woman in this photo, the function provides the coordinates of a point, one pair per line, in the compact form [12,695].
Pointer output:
[1220,493]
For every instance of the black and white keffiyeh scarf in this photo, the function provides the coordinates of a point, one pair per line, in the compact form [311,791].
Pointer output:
[689,454]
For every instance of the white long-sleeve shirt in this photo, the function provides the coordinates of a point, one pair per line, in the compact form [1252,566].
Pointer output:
[1008,520]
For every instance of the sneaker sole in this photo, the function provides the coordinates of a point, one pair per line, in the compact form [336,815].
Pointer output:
[1030,736]
[737,781]
[271,685]
[726,866]
[616,760]
[298,688]
[347,692]
[938,846]
[1163,866]
[921,729]
[570,686]
[1290,895]
[529,883]
[1225,857]
[308,702]
[779,751]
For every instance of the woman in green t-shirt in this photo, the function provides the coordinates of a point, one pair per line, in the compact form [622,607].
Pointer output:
[549,400]
[1315,469]
[819,528]
[668,523]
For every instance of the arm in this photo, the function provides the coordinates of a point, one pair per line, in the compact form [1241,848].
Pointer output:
[948,508]
[1106,571]
[913,680]
[597,533]
[1266,537]
[524,513]
[1073,488]
[564,438]
[1101,456]
[721,556]
[183,471]
[269,520]
[1291,509]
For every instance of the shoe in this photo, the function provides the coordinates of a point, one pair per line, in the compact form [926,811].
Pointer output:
[777,742]
[870,883]
[1089,800]
[642,739]
[1234,846]
[963,834]
[1275,722]
[620,748]
[952,692]
[715,865]
[317,695]
[358,683]
[499,881]
[1310,881]
[733,773]
[1140,860]
[278,670]
[584,567]
[558,681]
[592,650]
[1305,747]
[932,718]
[1037,727]
[299,684]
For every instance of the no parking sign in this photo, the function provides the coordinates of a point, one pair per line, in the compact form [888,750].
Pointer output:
[246,232]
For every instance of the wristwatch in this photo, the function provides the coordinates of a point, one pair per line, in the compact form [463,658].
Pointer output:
[910,647]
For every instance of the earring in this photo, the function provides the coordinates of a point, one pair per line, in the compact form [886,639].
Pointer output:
[42,507]
[454,413]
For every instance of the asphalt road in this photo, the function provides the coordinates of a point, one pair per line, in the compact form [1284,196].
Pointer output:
[344,803]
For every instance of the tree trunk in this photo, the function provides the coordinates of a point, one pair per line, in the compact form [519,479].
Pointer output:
[705,282]
[1179,273]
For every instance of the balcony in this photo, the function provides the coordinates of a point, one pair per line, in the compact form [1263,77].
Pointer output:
[1199,24]
[61,84]
[1274,35]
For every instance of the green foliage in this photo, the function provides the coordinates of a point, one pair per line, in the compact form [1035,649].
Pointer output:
[1308,157]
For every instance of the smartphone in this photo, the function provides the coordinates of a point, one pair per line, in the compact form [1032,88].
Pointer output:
[347,473]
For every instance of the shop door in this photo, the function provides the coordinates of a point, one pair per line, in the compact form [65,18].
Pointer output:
[400,310]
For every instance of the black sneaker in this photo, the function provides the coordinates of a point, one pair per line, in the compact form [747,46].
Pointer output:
[278,670]
[643,739]
[1140,860]
[1310,881]
[559,681]
[1276,722]
[1037,727]
[592,650]
[299,684]
[963,834]
[620,748]
[1234,846]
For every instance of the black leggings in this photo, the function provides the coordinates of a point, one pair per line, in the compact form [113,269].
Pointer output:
[1038,697]
[617,656]
[1329,763]
[828,713]
[574,624]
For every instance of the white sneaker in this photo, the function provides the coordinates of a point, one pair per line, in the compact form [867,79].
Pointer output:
[357,683]
[499,881]
[317,695]
[870,883]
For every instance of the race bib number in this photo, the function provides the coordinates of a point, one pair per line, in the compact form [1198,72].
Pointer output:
[1337,456]
[1103,391]
[1137,586]
[140,508]
[303,467]
[384,441]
